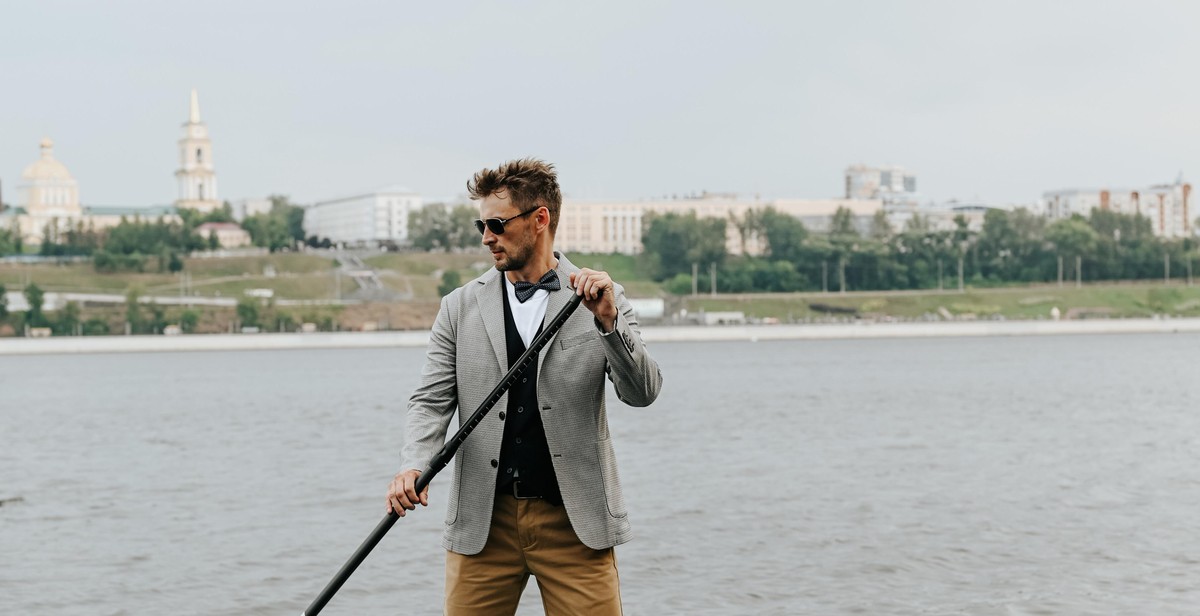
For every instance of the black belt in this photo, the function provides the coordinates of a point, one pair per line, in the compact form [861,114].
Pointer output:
[515,490]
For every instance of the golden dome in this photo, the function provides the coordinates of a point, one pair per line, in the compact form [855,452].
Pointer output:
[47,167]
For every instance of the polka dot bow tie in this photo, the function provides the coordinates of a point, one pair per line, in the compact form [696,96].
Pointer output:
[525,290]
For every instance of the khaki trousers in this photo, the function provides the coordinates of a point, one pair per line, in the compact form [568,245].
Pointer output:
[532,537]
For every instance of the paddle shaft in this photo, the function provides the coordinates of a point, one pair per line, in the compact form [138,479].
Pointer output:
[444,456]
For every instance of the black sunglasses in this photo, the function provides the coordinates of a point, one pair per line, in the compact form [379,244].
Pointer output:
[496,225]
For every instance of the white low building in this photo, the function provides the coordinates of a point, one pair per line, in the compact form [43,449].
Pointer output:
[375,217]
[228,234]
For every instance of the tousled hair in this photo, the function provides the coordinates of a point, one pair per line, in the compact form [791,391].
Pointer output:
[529,183]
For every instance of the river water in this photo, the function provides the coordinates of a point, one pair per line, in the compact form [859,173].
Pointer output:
[997,476]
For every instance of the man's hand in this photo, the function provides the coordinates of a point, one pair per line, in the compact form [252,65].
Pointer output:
[597,291]
[402,494]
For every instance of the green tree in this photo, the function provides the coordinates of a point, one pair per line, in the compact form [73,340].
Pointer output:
[748,226]
[785,235]
[133,310]
[193,218]
[429,227]
[126,245]
[451,280]
[292,215]
[673,242]
[35,317]
[95,326]
[75,238]
[158,318]
[881,227]
[843,236]
[247,312]
[3,304]
[9,242]
[188,320]
[463,234]
[1012,247]
[68,319]
[49,240]
[280,228]
[1072,237]
[842,224]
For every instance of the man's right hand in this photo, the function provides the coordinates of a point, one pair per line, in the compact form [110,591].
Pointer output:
[402,494]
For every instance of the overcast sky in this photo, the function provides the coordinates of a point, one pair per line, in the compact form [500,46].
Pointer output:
[982,100]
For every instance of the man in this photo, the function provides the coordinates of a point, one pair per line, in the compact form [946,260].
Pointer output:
[535,489]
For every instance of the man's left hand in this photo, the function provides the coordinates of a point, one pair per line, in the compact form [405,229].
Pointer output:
[597,291]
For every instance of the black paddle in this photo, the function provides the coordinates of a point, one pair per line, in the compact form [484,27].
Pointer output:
[444,456]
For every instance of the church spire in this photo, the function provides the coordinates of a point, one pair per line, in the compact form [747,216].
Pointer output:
[196,177]
[194,115]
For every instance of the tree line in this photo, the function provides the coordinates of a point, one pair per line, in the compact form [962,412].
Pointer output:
[1015,246]
[135,244]
[148,317]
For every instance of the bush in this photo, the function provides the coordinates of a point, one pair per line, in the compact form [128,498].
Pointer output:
[680,284]
[188,320]
[247,312]
[109,262]
[95,327]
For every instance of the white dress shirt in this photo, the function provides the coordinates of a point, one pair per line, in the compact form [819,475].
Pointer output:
[527,316]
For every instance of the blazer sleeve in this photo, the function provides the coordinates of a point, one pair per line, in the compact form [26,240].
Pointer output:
[433,403]
[634,374]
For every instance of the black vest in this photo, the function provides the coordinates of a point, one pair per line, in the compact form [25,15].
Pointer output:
[524,453]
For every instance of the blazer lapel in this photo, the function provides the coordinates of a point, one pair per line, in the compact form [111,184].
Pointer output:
[491,310]
[558,300]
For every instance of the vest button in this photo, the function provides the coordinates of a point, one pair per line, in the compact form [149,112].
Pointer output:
[501,415]
[495,463]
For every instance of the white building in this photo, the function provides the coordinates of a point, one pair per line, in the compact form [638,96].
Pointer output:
[48,190]
[368,218]
[196,177]
[245,208]
[49,202]
[228,234]
[616,226]
[945,217]
[1168,206]
[817,214]
[892,184]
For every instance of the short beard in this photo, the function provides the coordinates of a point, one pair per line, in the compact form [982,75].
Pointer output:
[516,259]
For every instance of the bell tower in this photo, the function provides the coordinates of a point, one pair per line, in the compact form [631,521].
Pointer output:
[196,178]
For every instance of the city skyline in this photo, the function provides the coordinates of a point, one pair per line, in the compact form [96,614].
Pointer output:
[998,105]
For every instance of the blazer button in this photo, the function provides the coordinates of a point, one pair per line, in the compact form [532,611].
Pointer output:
[501,415]
[495,463]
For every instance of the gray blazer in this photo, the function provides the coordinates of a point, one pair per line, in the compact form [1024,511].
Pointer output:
[467,357]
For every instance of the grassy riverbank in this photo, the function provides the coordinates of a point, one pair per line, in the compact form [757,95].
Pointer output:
[415,278]
[1119,300]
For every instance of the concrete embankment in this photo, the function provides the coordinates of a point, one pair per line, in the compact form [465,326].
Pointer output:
[368,340]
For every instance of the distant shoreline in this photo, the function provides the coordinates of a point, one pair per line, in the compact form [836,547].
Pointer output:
[652,334]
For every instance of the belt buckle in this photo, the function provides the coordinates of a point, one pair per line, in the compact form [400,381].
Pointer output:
[517,492]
